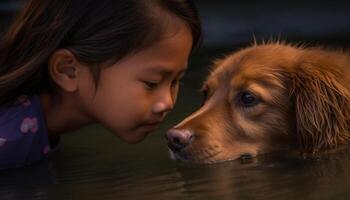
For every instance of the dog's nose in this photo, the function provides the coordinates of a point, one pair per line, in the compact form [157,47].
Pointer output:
[178,139]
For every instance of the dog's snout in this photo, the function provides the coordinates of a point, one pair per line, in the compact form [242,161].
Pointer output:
[178,139]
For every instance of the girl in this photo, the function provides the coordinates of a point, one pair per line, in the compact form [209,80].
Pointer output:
[67,63]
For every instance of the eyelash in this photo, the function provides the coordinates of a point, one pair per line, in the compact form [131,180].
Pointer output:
[150,85]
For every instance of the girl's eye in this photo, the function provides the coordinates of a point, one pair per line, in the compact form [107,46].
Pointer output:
[150,85]
[248,99]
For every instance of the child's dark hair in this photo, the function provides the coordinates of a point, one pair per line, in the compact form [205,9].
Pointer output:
[93,30]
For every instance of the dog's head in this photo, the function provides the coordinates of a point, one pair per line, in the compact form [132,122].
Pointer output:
[268,98]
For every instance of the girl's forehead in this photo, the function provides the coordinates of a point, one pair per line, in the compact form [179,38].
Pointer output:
[169,51]
[165,71]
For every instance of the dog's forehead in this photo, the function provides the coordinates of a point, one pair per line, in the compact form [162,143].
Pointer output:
[258,56]
[255,61]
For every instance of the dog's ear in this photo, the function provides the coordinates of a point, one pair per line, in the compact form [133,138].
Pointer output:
[322,107]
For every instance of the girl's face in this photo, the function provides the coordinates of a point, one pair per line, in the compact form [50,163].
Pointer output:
[135,94]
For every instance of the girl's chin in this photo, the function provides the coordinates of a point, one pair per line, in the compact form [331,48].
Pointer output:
[132,140]
[134,137]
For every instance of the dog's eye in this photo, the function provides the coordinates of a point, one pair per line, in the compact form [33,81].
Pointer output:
[248,99]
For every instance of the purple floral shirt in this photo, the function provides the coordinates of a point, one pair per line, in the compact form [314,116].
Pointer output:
[23,134]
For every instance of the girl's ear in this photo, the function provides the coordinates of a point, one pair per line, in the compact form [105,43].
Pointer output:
[322,107]
[63,69]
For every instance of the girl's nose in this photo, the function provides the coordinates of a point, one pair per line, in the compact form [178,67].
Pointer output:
[164,105]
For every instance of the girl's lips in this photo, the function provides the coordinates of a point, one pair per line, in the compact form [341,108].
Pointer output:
[152,122]
[150,125]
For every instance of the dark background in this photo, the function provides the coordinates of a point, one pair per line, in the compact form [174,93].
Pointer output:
[233,24]
[8,9]
[313,22]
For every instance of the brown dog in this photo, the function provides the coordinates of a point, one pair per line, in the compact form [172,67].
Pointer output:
[268,98]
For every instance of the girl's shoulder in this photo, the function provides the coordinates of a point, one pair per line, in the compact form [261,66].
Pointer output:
[21,109]
[23,134]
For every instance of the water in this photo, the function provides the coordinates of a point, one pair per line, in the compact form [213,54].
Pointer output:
[94,164]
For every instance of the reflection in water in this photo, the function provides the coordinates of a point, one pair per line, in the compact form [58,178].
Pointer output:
[94,164]
[280,177]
